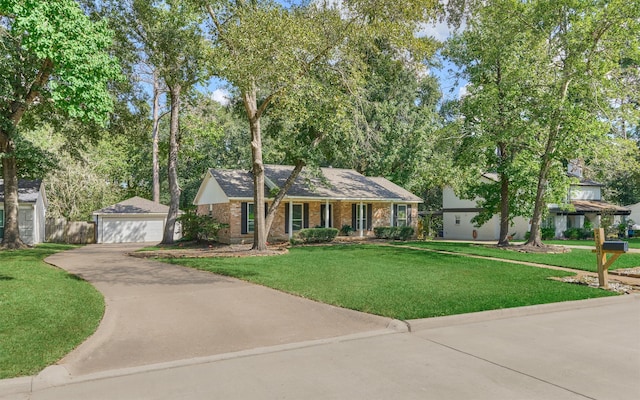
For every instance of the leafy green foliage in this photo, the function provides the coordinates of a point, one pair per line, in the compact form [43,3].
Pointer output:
[541,92]
[577,233]
[55,37]
[393,232]
[346,230]
[315,235]
[199,227]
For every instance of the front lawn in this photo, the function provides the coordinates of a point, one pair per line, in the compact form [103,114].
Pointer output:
[44,311]
[580,259]
[634,243]
[398,282]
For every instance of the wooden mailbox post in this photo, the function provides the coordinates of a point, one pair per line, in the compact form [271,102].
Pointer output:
[602,249]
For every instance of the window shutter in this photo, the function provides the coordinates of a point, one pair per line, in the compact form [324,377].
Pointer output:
[286,218]
[353,216]
[305,216]
[409,214]
[322,211]
[243,218]
[395,215]
[266,209]
[369,216]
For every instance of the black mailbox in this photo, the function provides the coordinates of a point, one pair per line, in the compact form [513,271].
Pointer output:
[616,245]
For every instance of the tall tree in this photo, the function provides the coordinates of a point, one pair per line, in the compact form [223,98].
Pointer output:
[268,52]
[578,45]
[552,75]
[51,52]
[177,50]
[489,53]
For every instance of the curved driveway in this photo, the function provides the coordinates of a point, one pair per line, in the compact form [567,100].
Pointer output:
[157,312]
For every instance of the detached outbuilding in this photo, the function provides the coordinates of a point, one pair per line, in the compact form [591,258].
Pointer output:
[134,220]
[32,207]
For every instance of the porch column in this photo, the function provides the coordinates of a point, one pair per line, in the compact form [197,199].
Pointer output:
[326,214]
[290,222]
[391,213]
[361,219]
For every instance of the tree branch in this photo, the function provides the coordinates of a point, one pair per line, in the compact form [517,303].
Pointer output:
[19,107]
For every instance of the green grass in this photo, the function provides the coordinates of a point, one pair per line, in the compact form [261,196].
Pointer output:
[634,243]
[398,282]
[580,259]
[44,311]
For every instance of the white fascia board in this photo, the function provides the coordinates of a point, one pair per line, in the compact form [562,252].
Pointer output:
[132,215]
[311,198]
[210,192]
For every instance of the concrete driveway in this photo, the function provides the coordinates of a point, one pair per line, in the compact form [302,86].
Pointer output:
[158,313]
[579,350]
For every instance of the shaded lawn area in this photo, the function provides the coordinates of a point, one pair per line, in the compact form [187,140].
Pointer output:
[44,311]
[580,259]
[398,282]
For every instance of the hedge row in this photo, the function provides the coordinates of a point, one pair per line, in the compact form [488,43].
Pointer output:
[393,232]
[316,235]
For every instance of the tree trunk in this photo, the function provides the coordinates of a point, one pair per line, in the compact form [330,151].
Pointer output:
[11,238]
[174,188]
[535,237]
[503,240]
[155,139]
[250,101]
[283,191]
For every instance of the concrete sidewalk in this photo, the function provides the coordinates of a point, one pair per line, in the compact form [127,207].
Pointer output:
[578,350]
[158,312]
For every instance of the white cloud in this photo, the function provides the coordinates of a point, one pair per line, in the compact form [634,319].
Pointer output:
[463,91]
[437,30]
[222,96]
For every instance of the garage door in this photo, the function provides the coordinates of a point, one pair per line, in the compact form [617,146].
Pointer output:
[132,230]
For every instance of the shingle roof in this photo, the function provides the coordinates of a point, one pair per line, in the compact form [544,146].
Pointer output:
[593,206]
[335,183]
[135,205]
[28,190]
[234,182]
[402,192]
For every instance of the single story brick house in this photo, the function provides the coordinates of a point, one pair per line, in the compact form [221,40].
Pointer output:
[336,198]
[32,208]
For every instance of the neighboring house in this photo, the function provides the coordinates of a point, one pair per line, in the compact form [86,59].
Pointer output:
[635,215]
[32,208]
[584,202]
[457,214]
[340,197]
[132,221]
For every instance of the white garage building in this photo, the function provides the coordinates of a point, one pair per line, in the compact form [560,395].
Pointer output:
[131,221]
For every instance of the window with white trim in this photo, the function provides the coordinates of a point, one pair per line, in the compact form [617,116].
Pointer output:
[297,217]
[250,217]
[401,218]
[457,220]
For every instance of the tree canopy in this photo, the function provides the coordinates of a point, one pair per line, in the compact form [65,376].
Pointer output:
[52,55]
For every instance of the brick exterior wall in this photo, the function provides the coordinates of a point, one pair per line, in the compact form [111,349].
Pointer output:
[231,213]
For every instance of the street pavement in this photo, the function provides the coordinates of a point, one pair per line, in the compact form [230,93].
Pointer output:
[576,350]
